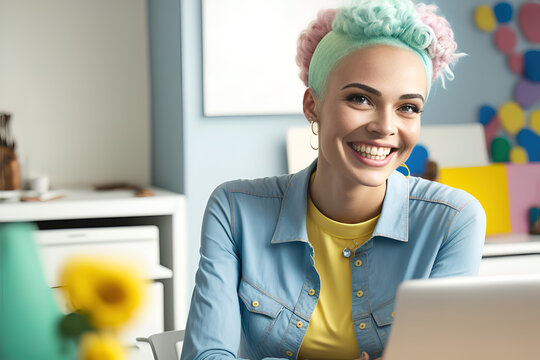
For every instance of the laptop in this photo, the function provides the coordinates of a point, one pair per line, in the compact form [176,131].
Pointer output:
[464,318]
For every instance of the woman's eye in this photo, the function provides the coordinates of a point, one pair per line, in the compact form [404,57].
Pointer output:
[358,99]
[410,109]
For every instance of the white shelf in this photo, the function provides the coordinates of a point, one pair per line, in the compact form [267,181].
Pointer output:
[88,203]
[511,244]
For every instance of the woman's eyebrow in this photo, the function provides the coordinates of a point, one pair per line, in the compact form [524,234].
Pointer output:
[363,87]
[412,96]
[378,93]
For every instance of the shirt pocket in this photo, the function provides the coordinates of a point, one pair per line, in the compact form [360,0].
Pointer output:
[384,318]
[259,312]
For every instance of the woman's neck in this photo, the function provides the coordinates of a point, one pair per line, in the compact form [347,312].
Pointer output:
[341,199]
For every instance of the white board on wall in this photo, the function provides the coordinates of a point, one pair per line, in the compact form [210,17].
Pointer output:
[249,50]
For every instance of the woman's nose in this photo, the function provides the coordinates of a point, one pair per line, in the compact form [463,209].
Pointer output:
[382,123]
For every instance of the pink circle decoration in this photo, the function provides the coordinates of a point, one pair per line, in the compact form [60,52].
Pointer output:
[529,21]
[515,61]
[505,39]
[492,129]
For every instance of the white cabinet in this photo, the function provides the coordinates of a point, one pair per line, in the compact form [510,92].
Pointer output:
[511,254]
[150,230]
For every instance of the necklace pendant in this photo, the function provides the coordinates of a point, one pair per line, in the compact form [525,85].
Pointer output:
[346,252]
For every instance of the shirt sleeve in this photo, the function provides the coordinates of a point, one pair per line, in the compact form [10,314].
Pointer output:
[214,322]
[461,251]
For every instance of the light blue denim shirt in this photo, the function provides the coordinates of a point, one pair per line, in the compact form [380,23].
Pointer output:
[256,268]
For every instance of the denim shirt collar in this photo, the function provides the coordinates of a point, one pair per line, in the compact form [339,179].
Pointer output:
[393,222]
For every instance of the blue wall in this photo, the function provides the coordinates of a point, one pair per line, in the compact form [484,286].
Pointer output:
[223,148]
[166,94]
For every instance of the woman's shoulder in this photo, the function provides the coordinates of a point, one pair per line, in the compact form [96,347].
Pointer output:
[272,186]
[432,191]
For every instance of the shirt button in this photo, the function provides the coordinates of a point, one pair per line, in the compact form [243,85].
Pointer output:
[358,263]
[299,324]
[360,293]
[311,292]
[362,326]
[255,303]
[289,353]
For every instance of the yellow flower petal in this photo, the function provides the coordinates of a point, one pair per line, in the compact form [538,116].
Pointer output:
[108,292]
[100,346]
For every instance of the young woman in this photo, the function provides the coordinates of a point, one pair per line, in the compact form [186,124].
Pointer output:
[307,265]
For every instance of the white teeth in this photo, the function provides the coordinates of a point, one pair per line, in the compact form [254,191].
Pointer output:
[372,152]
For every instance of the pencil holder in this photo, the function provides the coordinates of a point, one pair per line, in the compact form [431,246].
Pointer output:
[9,166]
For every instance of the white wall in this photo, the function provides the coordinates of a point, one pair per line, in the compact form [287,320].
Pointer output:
[74,73]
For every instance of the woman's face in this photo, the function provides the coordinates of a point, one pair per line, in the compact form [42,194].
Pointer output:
[369,116]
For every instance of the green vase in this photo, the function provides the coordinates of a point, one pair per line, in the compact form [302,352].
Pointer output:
[29,316]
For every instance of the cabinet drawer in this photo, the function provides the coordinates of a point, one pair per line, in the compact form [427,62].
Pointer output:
[138,244]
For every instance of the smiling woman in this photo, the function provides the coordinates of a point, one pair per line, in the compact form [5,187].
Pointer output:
[306,266]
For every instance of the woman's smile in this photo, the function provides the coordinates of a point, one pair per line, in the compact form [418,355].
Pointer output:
[369,115]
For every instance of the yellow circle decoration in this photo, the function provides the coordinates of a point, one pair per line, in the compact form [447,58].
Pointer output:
[534,121]
[518,155]
[512,117]
[484,18]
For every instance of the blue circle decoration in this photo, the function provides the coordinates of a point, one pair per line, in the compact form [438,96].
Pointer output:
[503,12]
[416,161]
[486,113]
[528,139]
[531,65]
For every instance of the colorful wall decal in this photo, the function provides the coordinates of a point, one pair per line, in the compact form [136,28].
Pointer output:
[500,149]
[484,18]
[520,142]
[503,12]
[531,64]
[527,93]
[505,39]
[492,129]
[518,155]
[489,185]
[531,142]
[528,16]
[534,122]
[512,117]
[515,61]
[486,113]
[417,161]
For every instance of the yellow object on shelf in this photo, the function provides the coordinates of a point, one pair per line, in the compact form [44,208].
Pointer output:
[490,186]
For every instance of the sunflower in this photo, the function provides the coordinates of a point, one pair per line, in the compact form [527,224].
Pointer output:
[100,346]
[106,291]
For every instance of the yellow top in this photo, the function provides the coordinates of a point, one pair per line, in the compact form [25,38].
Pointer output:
[330,334]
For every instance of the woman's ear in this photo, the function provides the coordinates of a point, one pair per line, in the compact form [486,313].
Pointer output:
[310,105]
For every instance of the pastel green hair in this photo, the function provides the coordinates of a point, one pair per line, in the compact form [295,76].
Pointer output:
[371,22]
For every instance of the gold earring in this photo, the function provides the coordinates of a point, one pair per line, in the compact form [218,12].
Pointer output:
[314,131]
[314,127]
[408,171]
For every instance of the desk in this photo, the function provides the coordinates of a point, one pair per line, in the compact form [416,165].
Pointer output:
[511,254]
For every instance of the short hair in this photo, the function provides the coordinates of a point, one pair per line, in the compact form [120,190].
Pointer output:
[418,27]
